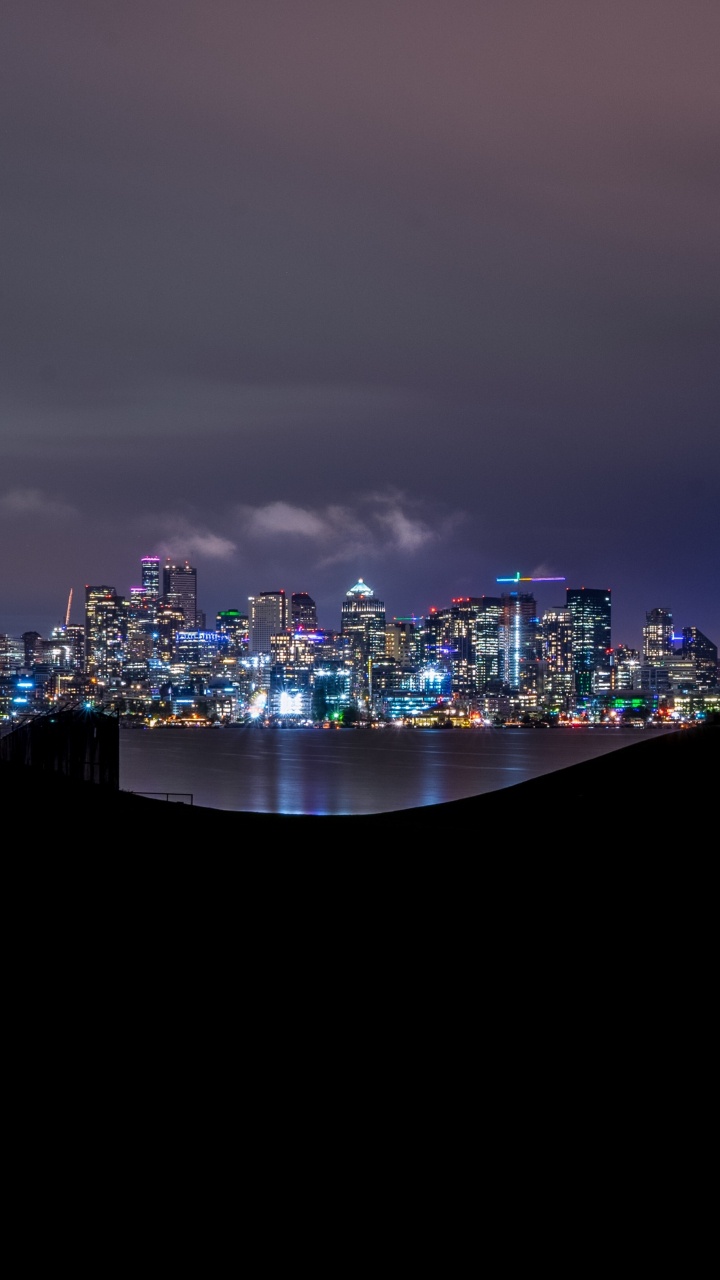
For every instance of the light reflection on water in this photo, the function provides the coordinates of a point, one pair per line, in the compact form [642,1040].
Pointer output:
[257,770]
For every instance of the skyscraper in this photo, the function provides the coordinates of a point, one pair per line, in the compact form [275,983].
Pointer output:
[236,625]
[657,636]
[268,617]
[304,612]
[489,663]
[591,636]
[704,653]
[464,613]
[558,657]
[180,591]
[520,640]
[105,621]
[362,621]
[150,566]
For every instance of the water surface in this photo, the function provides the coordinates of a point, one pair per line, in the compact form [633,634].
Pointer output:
[319,771]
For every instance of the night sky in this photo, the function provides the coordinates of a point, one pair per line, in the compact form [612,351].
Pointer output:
[302,291]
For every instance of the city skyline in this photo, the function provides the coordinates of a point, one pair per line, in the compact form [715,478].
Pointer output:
[166,575]
[427,293]
[547,592]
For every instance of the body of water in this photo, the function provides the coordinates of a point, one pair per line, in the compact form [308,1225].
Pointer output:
[348,771]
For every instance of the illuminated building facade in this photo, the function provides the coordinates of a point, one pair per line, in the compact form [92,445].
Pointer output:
[363,622]
[434,639]
[269,616]
[463,617]
[401,640]
[558,676]
[179,591]
[236,626]
[658,636]
[303,611]
[489,663]
[105,629]
[520,641]
[590,610]
[625,666]
[704,654]
[150,568]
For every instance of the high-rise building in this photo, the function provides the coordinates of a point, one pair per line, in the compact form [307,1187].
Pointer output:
[304,612]
[268,617]
[32,644]
[489,664]
[105,624]
[362,622]
[625,669]
[520,641]
[401,640]
[558,682]
[150,566]
[464,613]
[179,591]
[435,639]
[236,625]
[704,654]
[139,644]
[658,636]
[590,611]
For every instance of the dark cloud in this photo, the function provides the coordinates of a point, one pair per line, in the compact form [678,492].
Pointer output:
[264,261]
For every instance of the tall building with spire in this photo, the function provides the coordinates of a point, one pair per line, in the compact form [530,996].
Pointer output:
[362,623]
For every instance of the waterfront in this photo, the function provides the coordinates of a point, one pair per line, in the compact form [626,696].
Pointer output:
[351,771]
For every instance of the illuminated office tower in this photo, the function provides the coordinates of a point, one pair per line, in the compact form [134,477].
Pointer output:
[626,668]
[71,639]
[139,643]
[179,591]
[150,566]
[591,637]
[304,612]
[704,654]
[657,636]
[463,613]
[488,653]
[105,625]
[434,639]
[236,625]
[269,616]
[12,654]
[32,645]
[558,676]
[169,622]
[362,622]
[401,640]
[520,640]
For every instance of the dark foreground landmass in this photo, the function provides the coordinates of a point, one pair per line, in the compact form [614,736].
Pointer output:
[565,920]
[657,788]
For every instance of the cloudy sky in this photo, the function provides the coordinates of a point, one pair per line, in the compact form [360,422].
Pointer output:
[425,292]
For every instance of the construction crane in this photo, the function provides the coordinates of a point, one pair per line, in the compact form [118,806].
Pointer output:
[517,578]
[67,611]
